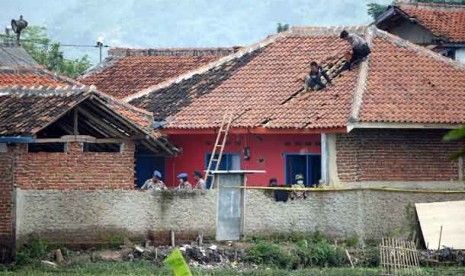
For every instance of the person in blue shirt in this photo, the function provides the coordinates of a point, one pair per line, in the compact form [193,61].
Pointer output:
[315,75]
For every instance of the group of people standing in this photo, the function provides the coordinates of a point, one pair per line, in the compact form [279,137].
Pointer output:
[156,182]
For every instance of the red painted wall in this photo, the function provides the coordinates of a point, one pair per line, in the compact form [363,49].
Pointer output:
[266,152]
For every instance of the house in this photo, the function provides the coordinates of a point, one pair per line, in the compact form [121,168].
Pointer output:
[126,71]
[379,124]
[435,25]
[56,134]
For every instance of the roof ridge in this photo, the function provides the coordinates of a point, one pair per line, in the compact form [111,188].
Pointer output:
[326,30]
[418,49]
[362,78]
[203,69]
[62,90]
[430,6]
[190,51]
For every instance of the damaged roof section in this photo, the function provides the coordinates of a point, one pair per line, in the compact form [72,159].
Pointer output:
[263,86]
[31,111]
[127,71]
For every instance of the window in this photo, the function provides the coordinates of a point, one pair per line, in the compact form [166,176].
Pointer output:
[308,165]
[46,147]
[102,147]
[229,161]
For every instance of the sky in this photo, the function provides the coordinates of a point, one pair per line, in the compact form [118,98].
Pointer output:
[177,23]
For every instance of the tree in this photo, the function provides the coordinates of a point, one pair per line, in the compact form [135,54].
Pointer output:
[282,27]
[375,9]
[36,42]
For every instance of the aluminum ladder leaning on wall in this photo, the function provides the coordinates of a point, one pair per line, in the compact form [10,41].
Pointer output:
[219,145]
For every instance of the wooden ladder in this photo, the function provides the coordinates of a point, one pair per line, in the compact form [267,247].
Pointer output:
[220,142]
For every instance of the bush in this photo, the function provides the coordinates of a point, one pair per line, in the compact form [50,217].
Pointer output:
[271,254]
[31,252]
[321,253]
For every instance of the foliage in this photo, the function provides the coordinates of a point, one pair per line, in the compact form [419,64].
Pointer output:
[270,254]
[453,135]
[32,252]
[375,9]
[282,27]
[47,53]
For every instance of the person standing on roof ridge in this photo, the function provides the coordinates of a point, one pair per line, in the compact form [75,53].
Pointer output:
[313,79]
[360,49]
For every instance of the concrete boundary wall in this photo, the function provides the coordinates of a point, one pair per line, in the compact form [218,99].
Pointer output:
[95,216]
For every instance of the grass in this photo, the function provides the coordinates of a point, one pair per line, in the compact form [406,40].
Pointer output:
[146,268]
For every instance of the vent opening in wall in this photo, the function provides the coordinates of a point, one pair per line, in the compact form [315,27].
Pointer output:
[102,147]
[46,147]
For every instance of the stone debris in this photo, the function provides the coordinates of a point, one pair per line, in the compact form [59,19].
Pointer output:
[59,256]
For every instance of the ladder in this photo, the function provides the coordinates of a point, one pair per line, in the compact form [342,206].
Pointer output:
[218,147]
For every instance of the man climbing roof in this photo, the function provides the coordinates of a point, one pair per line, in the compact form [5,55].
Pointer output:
[360,49]
[314,77]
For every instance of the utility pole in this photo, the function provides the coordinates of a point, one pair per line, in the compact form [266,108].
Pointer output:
[100,46]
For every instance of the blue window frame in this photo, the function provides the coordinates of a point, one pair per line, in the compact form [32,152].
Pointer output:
[229,161]
[309,165]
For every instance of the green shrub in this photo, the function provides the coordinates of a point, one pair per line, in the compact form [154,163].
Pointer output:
[321,253]
[271,254]
[29,253]
[372,257]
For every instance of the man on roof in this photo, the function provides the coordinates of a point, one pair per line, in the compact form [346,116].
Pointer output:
[313,79]
[360,49]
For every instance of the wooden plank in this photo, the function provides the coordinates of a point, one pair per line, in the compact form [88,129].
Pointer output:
[100,123]
[75,122]
[450,215]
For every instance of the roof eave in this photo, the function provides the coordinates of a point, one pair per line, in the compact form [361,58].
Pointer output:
[398,125]
[255,130]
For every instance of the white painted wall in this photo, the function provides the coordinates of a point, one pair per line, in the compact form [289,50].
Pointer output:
[460,55]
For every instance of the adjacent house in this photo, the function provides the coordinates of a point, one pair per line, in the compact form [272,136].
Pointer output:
[126,71]
[382,122]
[440,27]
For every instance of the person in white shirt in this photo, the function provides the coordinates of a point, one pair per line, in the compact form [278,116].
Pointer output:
[360,49]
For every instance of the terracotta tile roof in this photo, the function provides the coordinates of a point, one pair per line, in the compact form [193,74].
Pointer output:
[408,83]
[25,111]
[262,84]
[443,20]
[130,70]
[32,76]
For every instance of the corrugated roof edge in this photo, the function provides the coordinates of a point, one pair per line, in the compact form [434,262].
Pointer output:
[307,31]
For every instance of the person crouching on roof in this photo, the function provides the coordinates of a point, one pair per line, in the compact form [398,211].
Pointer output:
[360,49]
[200,184]
[183,183]
[154,183]
[315,75]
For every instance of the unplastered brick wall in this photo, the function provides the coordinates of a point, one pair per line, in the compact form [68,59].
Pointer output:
[396,155]
[6,205]
[75,169]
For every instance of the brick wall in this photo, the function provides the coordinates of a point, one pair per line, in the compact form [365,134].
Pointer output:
[75,169]
[396,155]
[6,206]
